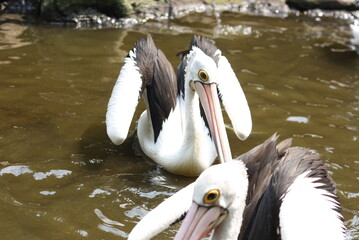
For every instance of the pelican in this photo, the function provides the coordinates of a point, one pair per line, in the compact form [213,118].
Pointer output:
[182,127]
[274,191]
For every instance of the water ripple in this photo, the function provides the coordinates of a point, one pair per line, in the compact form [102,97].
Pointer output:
[47,193]
[15,170]
[136,212]
[58,173]
[18,170]
[298,119]
[61,98]
[82,233]
[99,192]
[113,230]
[105,219]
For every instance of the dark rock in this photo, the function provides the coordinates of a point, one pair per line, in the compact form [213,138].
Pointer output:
[22,7]
[65,10]
[324,4]
[60,10]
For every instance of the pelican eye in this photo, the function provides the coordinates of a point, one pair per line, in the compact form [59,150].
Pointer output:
[203,75]
[211,196]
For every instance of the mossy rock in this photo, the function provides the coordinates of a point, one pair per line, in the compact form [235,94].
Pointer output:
[58,10]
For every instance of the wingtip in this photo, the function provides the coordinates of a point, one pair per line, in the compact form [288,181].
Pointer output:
[115,138]
[244,131]
[242,136]
[116,135]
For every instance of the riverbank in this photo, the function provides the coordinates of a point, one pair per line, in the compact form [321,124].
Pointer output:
[127,13]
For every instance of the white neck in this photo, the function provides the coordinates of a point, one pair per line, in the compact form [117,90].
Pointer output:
[184,145]
[229,229]
[181,134]
[195,128]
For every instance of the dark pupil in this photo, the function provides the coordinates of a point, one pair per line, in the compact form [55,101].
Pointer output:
[203,75]
[211,196]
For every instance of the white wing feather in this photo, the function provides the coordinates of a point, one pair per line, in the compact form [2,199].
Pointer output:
[124,99]
[234,100]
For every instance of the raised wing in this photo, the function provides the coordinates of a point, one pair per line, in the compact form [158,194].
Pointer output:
[233,99]
[124,100]
[161,92]
[146,69]
[136,74]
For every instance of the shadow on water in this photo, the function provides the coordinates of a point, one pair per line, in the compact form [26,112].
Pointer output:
[97,151]
[340,55]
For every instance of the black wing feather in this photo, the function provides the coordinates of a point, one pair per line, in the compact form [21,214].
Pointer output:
[158,79]
[260,162]
[261,219]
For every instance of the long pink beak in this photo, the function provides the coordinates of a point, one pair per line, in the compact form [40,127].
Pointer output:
[210,102]
[200,221]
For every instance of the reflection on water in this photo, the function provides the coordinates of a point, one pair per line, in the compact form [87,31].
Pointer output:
[10,34]
[60,176]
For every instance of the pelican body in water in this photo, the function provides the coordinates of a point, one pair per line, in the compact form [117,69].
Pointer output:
[182,127]
[274,191]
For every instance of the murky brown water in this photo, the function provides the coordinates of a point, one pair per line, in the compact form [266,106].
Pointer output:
[60,176]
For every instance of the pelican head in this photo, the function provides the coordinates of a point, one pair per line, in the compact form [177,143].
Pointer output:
[202,77]
[219,198]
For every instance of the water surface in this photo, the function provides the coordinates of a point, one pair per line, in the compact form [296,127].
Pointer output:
[62,178]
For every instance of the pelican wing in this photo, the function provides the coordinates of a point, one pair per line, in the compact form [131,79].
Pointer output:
[124,100]
[289,187]
[234,100]
[135,75]
[306,194]
[145,68]
[260,162]
[162,92]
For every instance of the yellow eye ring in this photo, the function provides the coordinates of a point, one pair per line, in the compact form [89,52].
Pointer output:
[203,75]
[211,196]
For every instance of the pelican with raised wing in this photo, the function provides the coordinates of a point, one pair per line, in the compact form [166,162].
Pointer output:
[272,192]
[182,127]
